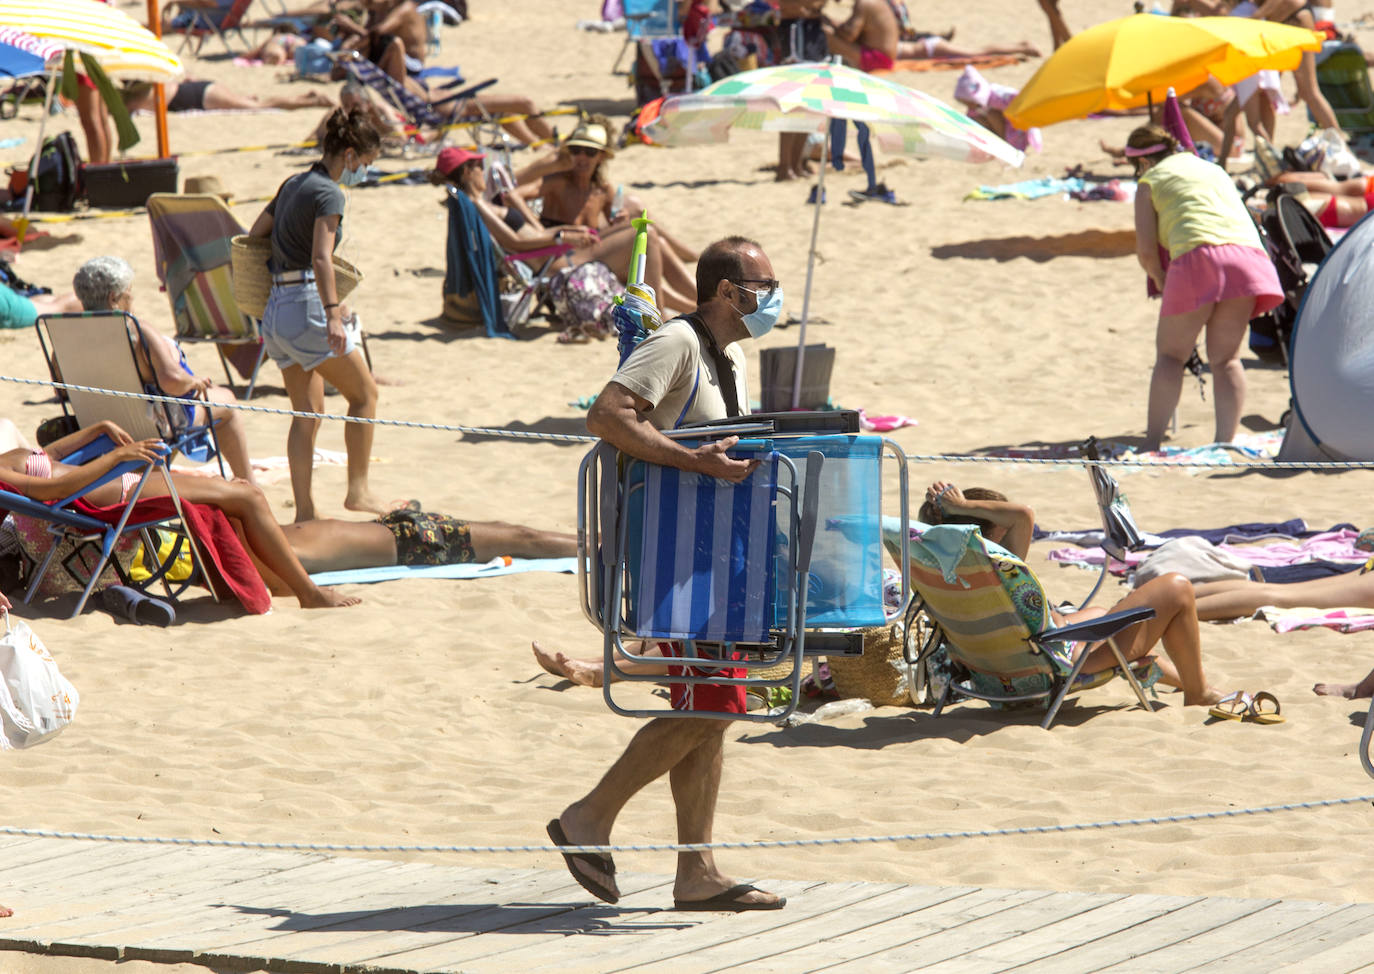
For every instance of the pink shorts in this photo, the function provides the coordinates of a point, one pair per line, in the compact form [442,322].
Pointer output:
[704,696]
[872,59]
[1219,272]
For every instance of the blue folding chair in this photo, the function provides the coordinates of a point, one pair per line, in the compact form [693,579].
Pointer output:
[65,519]
[741,574]
[95,348]
[436,114]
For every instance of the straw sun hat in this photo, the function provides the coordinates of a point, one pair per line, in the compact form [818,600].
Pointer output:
[592,135]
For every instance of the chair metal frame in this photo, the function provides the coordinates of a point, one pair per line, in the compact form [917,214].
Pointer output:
[605,475]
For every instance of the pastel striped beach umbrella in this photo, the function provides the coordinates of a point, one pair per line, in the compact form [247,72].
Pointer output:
[23,55]
[805,98]
[124,47]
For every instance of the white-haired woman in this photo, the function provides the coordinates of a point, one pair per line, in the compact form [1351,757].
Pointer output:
[107,284]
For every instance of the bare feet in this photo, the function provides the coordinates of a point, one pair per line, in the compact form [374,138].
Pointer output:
[363,502]
[1207,698]
[327,598]
[1351,691]
[784,175]
[5,911]
[578,671]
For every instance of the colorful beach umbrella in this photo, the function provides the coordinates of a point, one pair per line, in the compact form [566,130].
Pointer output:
[23,55]
[1133,61]
[804,98]
[123,47]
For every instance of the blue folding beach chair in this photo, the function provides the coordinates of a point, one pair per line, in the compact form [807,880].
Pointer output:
[94,539]
[755,575]
[436,114]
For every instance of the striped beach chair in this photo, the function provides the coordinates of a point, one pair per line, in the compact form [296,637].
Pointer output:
[756,575]
[996,623]
[191,235]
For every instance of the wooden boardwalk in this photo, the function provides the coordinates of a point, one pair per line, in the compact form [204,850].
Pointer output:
[313,912]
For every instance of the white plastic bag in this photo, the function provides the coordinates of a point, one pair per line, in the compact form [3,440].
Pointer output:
[1339,162]
[36,701]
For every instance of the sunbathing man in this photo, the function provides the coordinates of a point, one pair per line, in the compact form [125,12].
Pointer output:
[868,39]
[107,283]
[393,38]
[40,475]
[189,95]
[1171,596]
[1237,598]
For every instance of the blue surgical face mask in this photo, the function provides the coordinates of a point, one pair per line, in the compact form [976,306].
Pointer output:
[352,177]
[761,320]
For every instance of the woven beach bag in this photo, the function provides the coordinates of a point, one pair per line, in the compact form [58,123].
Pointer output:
[253,281]
[880,675]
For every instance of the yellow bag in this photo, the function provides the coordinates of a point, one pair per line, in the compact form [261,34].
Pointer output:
[181,568]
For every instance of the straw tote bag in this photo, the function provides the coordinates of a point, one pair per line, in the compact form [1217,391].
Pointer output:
[253,281]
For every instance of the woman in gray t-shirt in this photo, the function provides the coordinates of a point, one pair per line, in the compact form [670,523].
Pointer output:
[303,327]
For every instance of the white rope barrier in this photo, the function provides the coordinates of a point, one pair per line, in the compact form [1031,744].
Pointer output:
[704,846]
[498,433]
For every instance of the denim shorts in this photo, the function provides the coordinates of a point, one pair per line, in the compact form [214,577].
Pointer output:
[294,327]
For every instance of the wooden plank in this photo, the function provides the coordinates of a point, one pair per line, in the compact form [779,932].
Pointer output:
[1144,938]
[40,849]
[1283,916]
[851,932]
[1018,913]
[1340,958]
[637,922]
[538,898]
[1350,922]
[1109,914]
[855,951]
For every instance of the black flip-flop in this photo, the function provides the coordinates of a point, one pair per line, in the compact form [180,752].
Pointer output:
[730,902]
[594,859]
[143,610]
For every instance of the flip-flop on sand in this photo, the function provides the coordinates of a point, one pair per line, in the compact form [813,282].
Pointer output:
[595,860]
[1234,706]
[730,902]
[143,610]
[1259,713]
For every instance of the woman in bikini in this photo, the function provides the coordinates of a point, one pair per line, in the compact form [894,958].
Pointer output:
[40,475]
[1334,202]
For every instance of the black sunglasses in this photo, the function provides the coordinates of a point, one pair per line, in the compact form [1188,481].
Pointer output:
[583,150]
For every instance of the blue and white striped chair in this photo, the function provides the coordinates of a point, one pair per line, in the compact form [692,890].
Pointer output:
[742,574]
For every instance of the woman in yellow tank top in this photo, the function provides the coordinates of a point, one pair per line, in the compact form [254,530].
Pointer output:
[1218,274]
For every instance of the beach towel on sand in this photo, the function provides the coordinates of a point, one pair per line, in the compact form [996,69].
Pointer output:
[388,573]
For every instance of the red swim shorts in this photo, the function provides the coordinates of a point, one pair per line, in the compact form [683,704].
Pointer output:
[871,59]
[726,698]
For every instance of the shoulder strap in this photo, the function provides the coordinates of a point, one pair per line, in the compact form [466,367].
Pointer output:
[725,367]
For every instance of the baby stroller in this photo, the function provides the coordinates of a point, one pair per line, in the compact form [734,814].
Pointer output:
[1297,243]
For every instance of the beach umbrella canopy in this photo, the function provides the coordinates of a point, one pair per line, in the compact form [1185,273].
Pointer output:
[123,47]
[805,98]
[1132,61]
[23,55]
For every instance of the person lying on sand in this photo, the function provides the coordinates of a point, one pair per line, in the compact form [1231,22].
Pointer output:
[355,96]
[1175,624]
[408,535]
[189,95]
[1350,691]
[40,475]
[1238,598]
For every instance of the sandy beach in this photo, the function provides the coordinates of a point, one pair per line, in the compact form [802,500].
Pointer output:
[420,715]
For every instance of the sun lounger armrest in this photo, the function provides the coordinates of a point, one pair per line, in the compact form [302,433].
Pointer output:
[1092,630]
[99,446]
[465,93]
[557,250]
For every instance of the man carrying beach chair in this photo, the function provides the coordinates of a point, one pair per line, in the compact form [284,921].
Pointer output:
[688,371]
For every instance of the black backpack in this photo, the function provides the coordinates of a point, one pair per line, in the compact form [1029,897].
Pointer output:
[57,181]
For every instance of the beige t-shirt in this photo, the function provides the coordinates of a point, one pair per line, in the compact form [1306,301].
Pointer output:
[668,365]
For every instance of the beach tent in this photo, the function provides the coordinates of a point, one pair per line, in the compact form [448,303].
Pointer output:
[1331,363]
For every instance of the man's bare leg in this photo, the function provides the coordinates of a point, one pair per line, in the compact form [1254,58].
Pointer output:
[492,538]
[233,441]
[1239,598]
[940,48]
[695,780]
[657,747]
[1351,691]
[592,672]
[1059,30]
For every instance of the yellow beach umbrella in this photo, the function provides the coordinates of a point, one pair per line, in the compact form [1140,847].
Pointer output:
[1128,62]
[123,46]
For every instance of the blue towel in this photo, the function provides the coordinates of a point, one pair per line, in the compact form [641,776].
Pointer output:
[387,573]
[472,263]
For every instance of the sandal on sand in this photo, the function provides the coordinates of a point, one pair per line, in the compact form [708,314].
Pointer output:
[603,863]
[1234,706]
[1264,714]
[123,602]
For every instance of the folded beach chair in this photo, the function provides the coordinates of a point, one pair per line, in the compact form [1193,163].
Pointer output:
[740,574]
[93,537]
[191,235]
[199,19]
[1120,536]
[94,348]
[1343,77]
[997,627]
